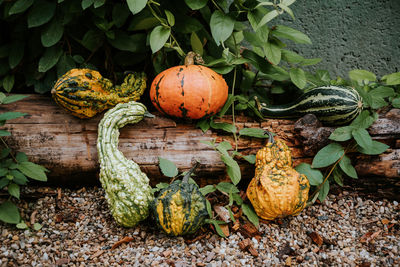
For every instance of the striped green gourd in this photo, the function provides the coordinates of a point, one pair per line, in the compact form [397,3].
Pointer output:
[127,188]
[333,105]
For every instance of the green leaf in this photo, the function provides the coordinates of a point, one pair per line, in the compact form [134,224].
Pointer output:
[298,77]
[338,176]
[4,153]
[37,226]
[250,158]
[362,137]
[86,4]
[22,225]
[49,58]
[314,177]
[52,33]
[159,187]
[232,168]
[347,168]
[291,57]
[134,43]
[342,133]
[8,83]
[223,147]
[4,182]
[362,75]
[4,133]
[92,40]
[12,98]
[209,208]
[120,14]
[21,157]
[382,91]
[375,149]
[392,79]
[272,52]
[267,18]
[227,127]
[196,44]
[9,213]
[221,26]
[291,34]
[363,120]
[170,18]
[310,61]
[168,168]
[9,115]
[20,6]
[19,178]
[327,155]
[33,171]
[250,214]
[13,190]
[98,3]
[41,13]
[158,37]
[253,132]
[207,189]
[396,102]
[227,187]
[323,193]
[217,227]
[135,6]
[197,4]
[16,54]
[287,10]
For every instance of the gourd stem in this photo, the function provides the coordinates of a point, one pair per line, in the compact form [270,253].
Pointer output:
[187,175]
[189,59]
[270,137]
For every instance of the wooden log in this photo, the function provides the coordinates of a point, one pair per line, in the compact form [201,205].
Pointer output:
[67,145]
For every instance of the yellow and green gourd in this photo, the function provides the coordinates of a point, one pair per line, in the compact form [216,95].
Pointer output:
[277,189]
[84,92]
[180,209]
[127,188]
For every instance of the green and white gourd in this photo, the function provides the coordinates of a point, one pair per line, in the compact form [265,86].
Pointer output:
[333,105]
[127,188]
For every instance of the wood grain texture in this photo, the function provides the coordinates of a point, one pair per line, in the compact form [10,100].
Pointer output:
[67,145]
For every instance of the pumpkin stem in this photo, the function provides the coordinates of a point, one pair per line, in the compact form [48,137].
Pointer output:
[270,136]
[187,175]
[189,59]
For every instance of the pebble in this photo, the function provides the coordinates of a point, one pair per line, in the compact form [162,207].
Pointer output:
[87,232]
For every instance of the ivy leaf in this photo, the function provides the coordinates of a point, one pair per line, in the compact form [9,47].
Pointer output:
[168,168]
[362,75]
[49,58]
[323,193]
[314,177]
[33,171]
[158,37]
[232,168]
[291,34]
[375,149]
[13,190]
[41,13]
[272,52]
[221,26]
[9,213]
[52,33]
[195,5]
[196,44]
[20,6]
[135,6]
[327,155]
[347,168]
[227,187]
[250,214]
[253,132]
[298,77]
[342,133]
[362,137]
[207,189]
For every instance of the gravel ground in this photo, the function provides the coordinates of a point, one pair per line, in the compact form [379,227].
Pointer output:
[346,230]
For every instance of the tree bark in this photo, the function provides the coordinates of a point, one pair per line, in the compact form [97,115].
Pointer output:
[66,145]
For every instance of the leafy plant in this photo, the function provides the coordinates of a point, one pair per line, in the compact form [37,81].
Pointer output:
[353,138]
[15,169]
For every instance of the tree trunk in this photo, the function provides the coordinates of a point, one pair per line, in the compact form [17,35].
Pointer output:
[66,145]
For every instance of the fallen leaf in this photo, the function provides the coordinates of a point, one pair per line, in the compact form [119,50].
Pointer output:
[33,217]
[97,254]
[223,213]
[225,229]
[316,238]
[385,221]
[369,236]
[126,239]
[249,230]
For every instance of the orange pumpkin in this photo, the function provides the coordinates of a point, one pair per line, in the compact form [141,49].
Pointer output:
[189,91]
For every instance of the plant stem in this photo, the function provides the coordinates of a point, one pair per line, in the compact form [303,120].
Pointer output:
[5,144]
[217,6]
[233,108]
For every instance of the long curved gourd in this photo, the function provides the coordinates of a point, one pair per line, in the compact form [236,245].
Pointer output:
[127,188]
[332,105]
